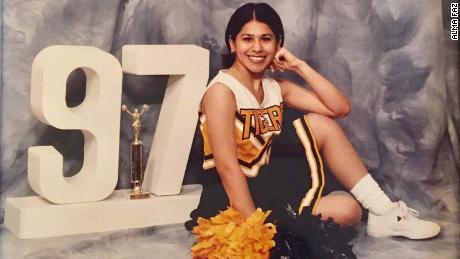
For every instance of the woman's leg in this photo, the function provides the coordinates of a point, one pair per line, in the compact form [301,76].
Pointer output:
[345,163]
[341,207]
[319,134]
[385,217]
[336,150]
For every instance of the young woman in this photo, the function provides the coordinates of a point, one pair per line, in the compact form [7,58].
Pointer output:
[240,115]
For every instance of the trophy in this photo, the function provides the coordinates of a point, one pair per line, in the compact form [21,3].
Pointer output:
[137,150]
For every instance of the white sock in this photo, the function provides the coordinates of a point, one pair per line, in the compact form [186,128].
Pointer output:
[368,192]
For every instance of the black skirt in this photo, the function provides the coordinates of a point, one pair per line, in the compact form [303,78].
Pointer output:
[295,169]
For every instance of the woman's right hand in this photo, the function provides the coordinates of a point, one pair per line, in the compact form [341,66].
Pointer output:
[285,60]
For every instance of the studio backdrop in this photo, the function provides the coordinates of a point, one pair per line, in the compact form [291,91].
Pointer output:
[393,59]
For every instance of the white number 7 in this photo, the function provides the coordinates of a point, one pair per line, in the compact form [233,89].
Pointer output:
[188,68]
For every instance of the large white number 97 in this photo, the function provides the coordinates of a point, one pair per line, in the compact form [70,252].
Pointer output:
[98,117]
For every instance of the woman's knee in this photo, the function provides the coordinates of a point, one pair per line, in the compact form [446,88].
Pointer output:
[352,213]
[321,126]
[343,209]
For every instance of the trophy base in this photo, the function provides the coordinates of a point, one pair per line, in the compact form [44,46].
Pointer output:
[138,196]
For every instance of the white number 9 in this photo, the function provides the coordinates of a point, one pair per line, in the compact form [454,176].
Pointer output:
[98,117]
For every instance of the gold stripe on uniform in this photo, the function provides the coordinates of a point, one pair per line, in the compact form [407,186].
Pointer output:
[320,164]
[250,150]
[240,126]
[309,147]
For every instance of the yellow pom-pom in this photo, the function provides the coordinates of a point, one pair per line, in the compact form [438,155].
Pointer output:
[229,235]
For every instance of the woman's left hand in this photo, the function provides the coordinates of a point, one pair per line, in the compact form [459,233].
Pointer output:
[285,60]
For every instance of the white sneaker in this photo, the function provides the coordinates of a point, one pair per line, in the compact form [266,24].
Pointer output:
[401,221]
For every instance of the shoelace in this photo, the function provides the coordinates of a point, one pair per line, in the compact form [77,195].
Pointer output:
[406,211]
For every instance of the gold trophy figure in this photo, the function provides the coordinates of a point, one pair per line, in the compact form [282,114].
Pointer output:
[137,150]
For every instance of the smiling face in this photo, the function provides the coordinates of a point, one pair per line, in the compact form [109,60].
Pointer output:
[254,47]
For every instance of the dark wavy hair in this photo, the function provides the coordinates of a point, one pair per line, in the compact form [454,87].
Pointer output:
[260,12]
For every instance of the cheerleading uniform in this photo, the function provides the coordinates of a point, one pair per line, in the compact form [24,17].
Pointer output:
[255,124]
[288,181]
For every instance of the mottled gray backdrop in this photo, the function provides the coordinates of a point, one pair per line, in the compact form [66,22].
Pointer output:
[392,58]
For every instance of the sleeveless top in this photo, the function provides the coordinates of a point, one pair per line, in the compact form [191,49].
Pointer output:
[255,124]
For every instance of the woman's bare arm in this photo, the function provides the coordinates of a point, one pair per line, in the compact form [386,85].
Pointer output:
[323,97]
[219,106]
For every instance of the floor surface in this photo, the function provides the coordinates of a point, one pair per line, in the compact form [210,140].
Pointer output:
[173,241]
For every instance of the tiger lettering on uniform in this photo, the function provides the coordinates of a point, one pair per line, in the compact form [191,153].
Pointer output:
[262,120]
[255,123]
